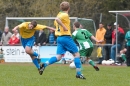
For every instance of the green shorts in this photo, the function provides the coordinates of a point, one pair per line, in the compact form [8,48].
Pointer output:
[86,52]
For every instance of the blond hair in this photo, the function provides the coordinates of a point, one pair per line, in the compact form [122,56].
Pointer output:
[64,6]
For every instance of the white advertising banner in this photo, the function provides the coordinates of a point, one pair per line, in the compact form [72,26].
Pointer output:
[16,54]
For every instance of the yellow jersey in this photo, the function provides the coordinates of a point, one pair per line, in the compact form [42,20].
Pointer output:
[64,17]
[25,32]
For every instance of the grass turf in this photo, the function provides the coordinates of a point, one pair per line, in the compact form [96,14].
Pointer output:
[25,74]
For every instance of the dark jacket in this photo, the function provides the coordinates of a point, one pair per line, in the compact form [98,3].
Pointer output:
[1,34]
[40,39]
[120,38]
[108,36]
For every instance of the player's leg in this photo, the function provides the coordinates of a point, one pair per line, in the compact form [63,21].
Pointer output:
[28,44]
[78,65]
[60,52]
[122,54]
[52,60]
[72,48]
[91,62]
[87,53]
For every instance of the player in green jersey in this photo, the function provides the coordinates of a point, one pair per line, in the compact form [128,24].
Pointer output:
[82,36]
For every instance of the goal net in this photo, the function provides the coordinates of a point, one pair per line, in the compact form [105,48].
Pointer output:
[49,21]
[88,24]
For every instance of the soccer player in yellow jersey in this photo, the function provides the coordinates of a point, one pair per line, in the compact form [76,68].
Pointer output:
[27,30]
[64,40]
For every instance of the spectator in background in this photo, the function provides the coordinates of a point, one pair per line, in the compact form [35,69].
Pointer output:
[120,39]
[108,38]
[51,38]
[1,36]
[6,36]
[100,36]
[15,38]
[40,38]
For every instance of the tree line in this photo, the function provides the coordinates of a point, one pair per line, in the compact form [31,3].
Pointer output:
[49,8]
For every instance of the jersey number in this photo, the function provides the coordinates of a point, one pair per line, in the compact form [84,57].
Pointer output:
[58,29]
[84,35]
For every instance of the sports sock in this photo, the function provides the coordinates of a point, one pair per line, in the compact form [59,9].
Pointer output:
[123,57]
[51,61]
[91,62]
[35,61]
[78,65]
[35,54]
[81,67]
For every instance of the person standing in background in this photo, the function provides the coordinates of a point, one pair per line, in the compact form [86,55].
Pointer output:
[120,40]
[0,36]
[6,36]
[108,39]
[15,38]
[100,36]
[51,38]
[40,38]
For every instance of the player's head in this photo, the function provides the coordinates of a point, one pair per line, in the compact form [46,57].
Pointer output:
[33,24]
[101,25]
[65,6]
[76,25]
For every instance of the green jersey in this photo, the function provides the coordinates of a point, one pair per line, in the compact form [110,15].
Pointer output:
[82,36]
[127,37]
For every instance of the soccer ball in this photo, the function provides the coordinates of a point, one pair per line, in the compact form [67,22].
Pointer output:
[72,65]
[108,62]
[112,61]
[103,62]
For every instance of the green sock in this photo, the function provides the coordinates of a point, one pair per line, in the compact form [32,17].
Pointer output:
[123,57]
[91,62]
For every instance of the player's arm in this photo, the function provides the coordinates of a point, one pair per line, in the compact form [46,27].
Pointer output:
[61,24]
[40,27]
[51,28]
[92,37]
[15,28]
[19,26]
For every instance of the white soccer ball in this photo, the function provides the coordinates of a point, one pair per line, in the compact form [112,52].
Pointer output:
[108,62]
[103,62]
[72,65]
[112,61]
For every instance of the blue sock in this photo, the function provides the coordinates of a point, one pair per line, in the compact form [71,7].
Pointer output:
[35,54]
[51,61]
[78,65]
[35,61]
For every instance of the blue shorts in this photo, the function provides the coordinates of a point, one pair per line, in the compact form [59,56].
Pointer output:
[28,41]
[66,43]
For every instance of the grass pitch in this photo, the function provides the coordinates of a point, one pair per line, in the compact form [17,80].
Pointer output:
[25,74]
